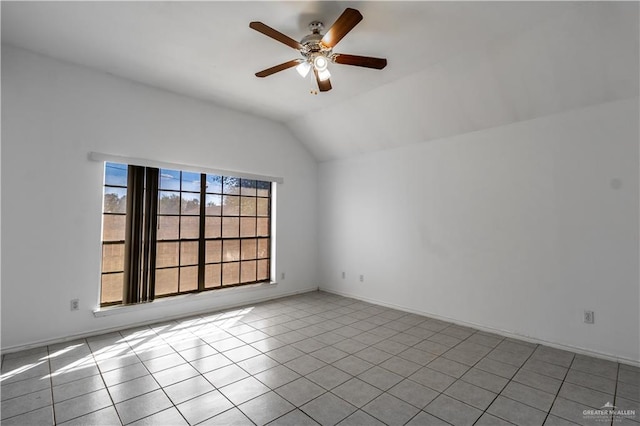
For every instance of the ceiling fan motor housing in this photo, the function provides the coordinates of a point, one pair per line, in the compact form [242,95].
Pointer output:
[312,43]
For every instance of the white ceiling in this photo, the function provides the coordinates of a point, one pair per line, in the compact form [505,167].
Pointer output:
[454,67]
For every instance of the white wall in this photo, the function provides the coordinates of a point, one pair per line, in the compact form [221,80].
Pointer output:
[53,115]
[517,228]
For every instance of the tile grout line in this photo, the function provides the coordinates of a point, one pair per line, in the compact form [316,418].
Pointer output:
[113,404]
[28,393]
[149,373]
[325,391]
[441,355]
[328,391]
[615,393]
[374,365]
[426,366]
[173,405]
[547,412]
[83,394]
[106,387]
[559,389]
[53,403]
[498,394]
[476,363]
[200,374]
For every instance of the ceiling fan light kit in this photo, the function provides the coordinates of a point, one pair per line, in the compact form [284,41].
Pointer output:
[321,63]
[303,69]
[317,49]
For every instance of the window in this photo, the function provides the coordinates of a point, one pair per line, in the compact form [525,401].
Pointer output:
[114,209]
[168,232]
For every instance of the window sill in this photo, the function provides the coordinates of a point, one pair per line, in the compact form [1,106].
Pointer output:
[176,300]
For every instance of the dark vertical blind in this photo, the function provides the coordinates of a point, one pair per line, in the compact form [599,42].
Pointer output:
[133,236]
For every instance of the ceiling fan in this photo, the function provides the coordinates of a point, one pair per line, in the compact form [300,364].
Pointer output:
[317,49]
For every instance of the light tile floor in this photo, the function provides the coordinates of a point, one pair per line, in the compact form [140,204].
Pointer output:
[311,359]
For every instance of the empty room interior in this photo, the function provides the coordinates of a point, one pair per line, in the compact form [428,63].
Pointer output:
[303,213]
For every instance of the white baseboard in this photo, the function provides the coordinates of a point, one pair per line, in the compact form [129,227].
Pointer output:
[504,333]
[155,321]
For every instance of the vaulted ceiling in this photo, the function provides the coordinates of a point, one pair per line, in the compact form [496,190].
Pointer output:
[454,67]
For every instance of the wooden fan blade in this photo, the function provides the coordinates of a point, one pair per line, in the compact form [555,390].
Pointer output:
[276,35]
[325,85]
[360,61]
[278,68]
[345,23]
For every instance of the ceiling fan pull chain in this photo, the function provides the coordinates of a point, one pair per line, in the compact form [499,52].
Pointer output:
[313,90]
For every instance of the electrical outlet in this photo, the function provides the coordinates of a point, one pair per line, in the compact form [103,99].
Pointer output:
[361,278]
[344,275]
[282,276]
[74,304]
[589,317]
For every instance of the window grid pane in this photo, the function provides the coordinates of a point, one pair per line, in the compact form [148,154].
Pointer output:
[166,281]
[248,271]
[231,273]
[188,279]
[111,288]
[213,275]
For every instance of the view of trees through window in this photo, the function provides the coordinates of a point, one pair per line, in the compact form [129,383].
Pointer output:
[212,231]
[113,232]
